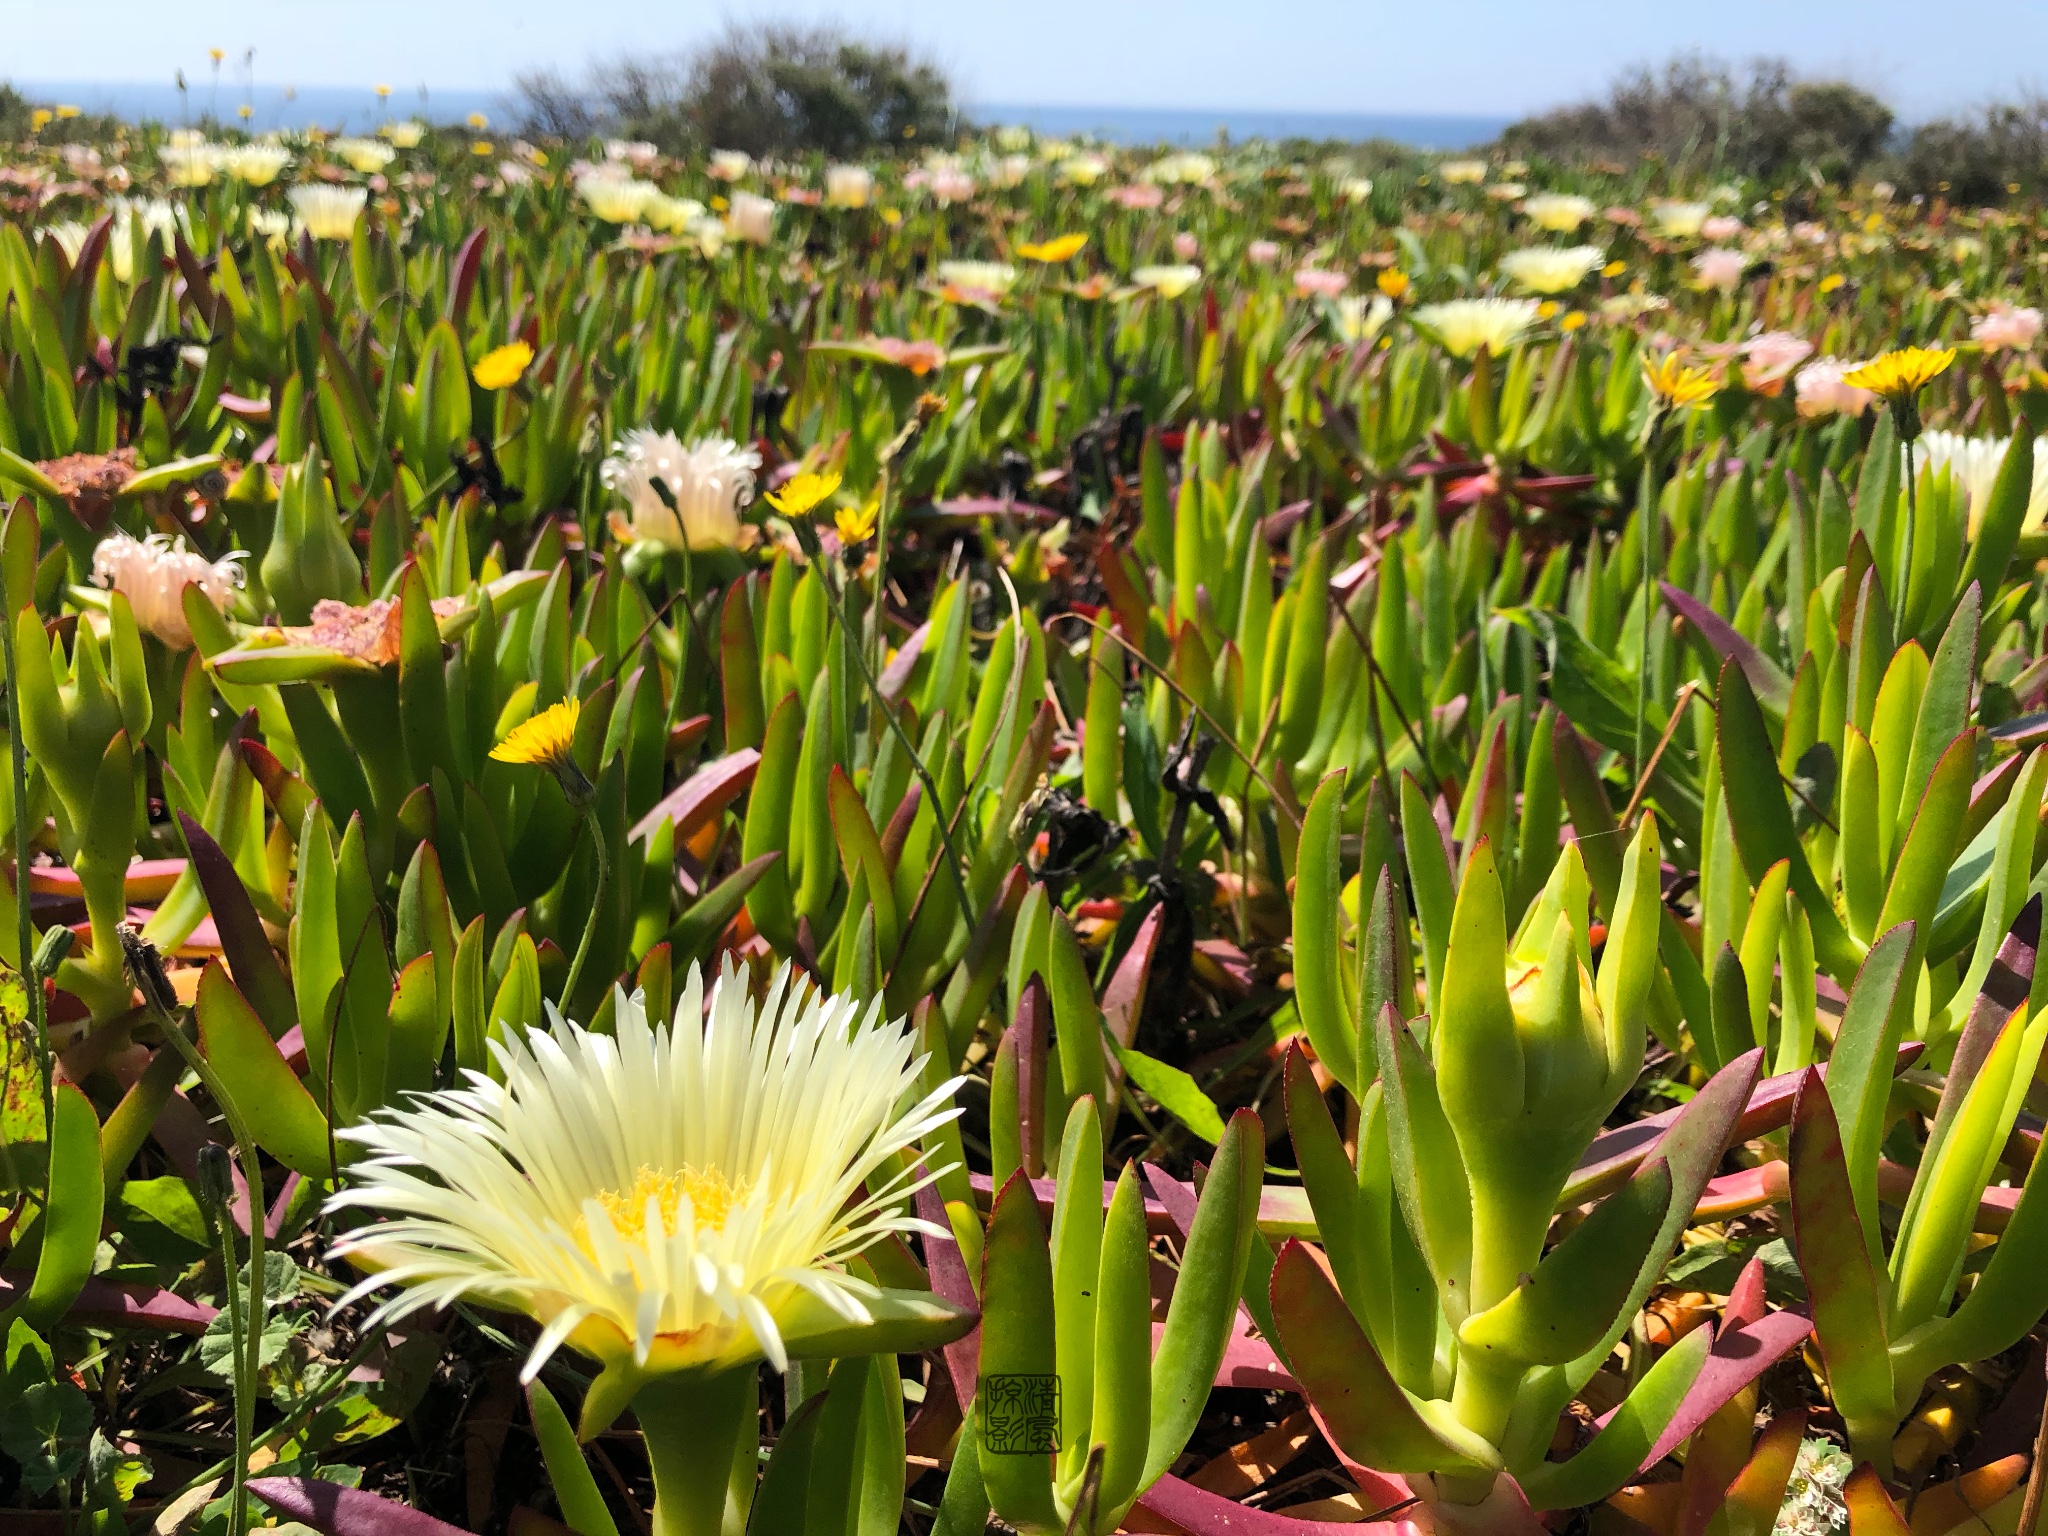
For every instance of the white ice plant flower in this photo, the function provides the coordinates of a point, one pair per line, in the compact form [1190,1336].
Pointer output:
[1550,269]
[328,212]
[1463,326]
[1679,221]
[366,157]
[1558,212]
[1358,317]
[616,198]
[1974,463]
[153,573]
[1168,282]
[666,1198]
[706,481]
[255,165]
[670,1195]
[848,186]
[751,218]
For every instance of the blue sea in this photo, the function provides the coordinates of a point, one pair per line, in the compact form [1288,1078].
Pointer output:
[356,109]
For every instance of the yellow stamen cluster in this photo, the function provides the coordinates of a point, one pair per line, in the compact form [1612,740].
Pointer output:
[711,1193]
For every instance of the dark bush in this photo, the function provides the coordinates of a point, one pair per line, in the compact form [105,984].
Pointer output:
[1980,159]
[1700,114]
[771,90]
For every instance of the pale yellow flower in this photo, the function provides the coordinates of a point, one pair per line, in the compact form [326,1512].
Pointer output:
[660,1198]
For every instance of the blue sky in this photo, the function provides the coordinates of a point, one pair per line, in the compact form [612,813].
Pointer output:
[1479,56]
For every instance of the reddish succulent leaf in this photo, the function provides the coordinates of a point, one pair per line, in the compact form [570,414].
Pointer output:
[950,1280]
[1202,1513]
[1738,1357]
[111,1304]
[1613,1155]
[1772,687]
[339,1511]
[1848,1308]
[1871,1510]
[462,275]
[251,960]
[1754,1498]
[701,796]
[1343,1375]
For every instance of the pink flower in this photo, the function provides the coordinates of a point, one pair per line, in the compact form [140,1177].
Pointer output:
[1721,227]
[2006,326]
[1262,253]
[952,186]
[1770,358]
[1720,267]
[1821,391]
[1314,283]
[1137,199]
[1185,246]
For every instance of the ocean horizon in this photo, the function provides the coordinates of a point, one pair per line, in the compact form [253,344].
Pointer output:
[358,109]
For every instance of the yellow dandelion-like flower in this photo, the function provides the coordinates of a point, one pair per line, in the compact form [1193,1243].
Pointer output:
[502,367]
[1901,374]
[1392,281]
[1677,386]
[1831,282]
[547,739]
[805,492]
[1063,248]
[856,525]
[1614,269]
[1572,321]
[66,112]
[40,119]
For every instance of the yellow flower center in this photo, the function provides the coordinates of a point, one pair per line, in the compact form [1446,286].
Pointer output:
[711,1194]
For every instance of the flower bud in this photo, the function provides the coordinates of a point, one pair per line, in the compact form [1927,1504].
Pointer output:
[216,1177]
[56,944]
[309,556]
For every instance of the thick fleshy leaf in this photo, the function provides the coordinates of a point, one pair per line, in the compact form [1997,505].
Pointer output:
[335,1510]
[245,946]
[1018,1376]
[75,1202]
[576,1492]
[1739,1356]
[1763,820]
[281,1114]
[1841,1281]
[1615,1453]
[1767,679]
[1362,1407]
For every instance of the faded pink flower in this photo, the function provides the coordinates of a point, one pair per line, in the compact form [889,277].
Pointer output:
[2007,326]
[1262,253]
[1137,199]
[1770,358]
[1821,391]
[950,186]
[1185,246]
[153,573]
[1720,267]
[1721,226]
[1314,283]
